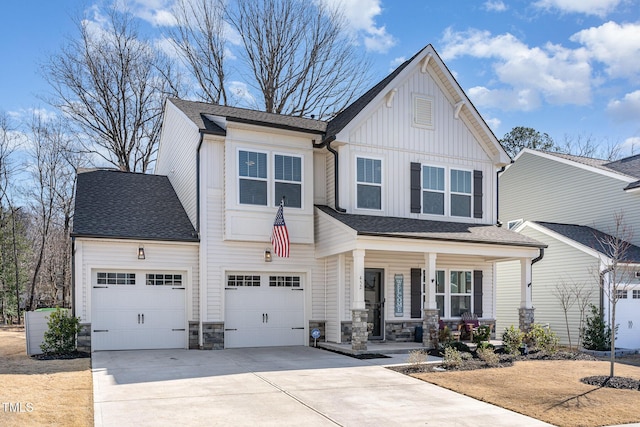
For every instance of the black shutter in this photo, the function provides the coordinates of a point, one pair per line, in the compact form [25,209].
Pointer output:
[416,293]
[416,187]
[477,194]
[477,292]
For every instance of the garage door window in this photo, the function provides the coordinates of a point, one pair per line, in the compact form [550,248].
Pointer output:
[621,294]
[164,279]
[240,280]
[116,278]
[636,294]
[284,281]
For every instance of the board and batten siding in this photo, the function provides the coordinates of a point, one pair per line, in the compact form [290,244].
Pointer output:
[121,256]
[332,326]
[536,188]
[177,157]
[562,264]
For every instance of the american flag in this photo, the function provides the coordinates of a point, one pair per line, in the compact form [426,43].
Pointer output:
[280,235]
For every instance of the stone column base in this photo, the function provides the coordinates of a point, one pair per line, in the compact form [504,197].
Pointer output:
[430,328]
[359,332]
[526,318]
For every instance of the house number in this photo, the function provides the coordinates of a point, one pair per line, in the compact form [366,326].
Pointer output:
[398,290]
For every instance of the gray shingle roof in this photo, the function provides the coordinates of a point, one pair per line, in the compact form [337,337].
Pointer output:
[591,238]
[115,204]
[629,166]
[410,228]
[197,111]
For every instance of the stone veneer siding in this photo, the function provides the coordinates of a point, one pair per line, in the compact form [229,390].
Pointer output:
[84,338]
[526,318]
[359,329]
[345,328]
[213,336]
[401,331]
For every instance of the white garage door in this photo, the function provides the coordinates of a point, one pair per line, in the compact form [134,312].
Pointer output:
[263,311]
[138,311]
[628,318]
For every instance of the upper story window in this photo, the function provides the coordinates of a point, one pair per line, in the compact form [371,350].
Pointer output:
[369,183]
[252,168]
[288,180]
[460,193]
[433,190]
[257,185]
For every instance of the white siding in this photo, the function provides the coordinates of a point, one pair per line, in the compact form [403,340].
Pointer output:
[387,133]
[562,264]
[332,326]
[540,189]
[177,157]
[94,254]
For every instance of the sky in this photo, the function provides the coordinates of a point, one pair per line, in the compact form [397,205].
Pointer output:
[569,68]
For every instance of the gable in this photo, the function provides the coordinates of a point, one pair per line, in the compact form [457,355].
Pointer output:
[422,85]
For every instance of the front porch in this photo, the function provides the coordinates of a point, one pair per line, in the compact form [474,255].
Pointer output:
[389,347]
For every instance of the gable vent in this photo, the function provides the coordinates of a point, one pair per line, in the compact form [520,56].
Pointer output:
[423,111]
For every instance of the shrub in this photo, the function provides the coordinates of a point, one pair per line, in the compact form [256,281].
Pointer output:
[488,356]
[460,346]
[483,333]
[444,335]
[597,334]
[60,337]
[512,339]
[417,357]
[542,338]
[466,356]
[452,358]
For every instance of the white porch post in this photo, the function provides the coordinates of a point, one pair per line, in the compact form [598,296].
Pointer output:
[430,311]
[526,316]
[359,332]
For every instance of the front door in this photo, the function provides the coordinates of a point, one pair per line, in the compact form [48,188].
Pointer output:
[374,301]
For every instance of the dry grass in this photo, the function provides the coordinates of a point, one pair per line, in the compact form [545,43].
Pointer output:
[549,390]
[49,392]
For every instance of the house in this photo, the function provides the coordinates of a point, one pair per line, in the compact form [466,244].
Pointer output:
[390,208]
[572,219]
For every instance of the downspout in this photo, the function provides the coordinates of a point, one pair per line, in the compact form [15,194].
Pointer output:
[73,276]
[498,223]
[201,286]
[533,261]
[327,143]
[601,284]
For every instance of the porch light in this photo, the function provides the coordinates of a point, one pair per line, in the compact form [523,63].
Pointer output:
[141,252]
[267,256]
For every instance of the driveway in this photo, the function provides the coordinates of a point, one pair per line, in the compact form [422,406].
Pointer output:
[282,386]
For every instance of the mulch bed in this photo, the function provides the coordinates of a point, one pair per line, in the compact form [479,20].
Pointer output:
[62,356]
[613,382]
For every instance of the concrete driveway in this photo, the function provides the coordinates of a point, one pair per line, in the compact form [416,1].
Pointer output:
[283,386]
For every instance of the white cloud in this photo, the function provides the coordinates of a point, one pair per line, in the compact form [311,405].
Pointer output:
[631,145]
[615,45]
[525,75]
[495,6]
[494,123]
[360,16]
[588,7]
[396,62]
[241,92]
[156,12]
[625,109]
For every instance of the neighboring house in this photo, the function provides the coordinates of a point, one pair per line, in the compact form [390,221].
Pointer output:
[390,206]
[569,203]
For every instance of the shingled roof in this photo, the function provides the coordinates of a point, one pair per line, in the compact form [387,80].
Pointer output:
[124,205]
[591,238]
[411,228]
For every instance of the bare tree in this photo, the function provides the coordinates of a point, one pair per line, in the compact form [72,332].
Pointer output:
[583,293]
[573,294]
[111,86]
[614,277]
[565,296]
[586,146]
[200,38]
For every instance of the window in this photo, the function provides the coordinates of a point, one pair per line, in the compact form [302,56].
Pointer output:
[515,223]
[369,183]
[621,294]
[454,298]
[460,193]
[164,279]
[252,169]
[240,280]
[636,294]
[460,292]
[284,281]
[116,278]
[288,180]
[433,190]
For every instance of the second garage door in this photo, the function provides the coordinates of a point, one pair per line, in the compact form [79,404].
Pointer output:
[264,310]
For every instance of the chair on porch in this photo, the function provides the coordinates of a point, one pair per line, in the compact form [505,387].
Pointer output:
[455,334]
[470,324]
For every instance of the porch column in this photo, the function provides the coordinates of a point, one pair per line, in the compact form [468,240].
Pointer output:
[359,332]
[430,312]
[525,312]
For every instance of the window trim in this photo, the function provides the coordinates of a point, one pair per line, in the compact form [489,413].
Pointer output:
[443,192]
[371,184]
[448,192]
[447,290]
[270,179]
[457,193]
